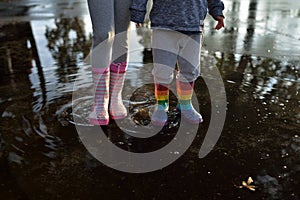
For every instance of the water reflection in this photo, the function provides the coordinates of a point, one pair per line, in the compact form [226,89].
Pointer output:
[257,55]
[68,45]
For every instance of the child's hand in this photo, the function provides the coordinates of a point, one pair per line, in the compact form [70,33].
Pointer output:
[220,23]
[138,25]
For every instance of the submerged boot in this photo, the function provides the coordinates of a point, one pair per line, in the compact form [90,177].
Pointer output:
[159,116]
[117,109]
[184,92]
[99,114]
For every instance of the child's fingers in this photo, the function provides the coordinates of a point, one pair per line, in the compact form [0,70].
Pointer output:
[220,22]
[138,25]
[219,25]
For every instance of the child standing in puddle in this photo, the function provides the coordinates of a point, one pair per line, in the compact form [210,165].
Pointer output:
[177,32]
[110,22]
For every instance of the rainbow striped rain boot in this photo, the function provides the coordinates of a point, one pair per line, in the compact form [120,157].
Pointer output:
[159,116]
[184,92]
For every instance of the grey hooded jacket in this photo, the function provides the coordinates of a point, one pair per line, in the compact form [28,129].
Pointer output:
[179,15]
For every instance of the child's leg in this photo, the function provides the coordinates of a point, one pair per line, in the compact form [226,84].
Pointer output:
[103,31]
[102,18]
[165,48]
[118,66]
[122,23]
[189,58]
[189,70]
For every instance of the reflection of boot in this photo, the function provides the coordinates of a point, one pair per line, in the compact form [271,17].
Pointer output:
[117,109]
[159,116]
[99,114]
[184,92]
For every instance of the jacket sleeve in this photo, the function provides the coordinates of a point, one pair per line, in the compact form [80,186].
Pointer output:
[215,8]
[138,10]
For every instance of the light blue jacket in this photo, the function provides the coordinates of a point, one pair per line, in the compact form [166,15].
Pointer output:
[179,15]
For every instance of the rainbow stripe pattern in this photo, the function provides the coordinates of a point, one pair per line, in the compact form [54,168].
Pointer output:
[185,92]
[162,96]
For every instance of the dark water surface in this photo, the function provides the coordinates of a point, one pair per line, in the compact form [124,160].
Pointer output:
[42,53]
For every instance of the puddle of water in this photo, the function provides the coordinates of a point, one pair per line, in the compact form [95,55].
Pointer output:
[41,155]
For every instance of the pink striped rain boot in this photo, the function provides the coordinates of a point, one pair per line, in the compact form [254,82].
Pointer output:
[117,110]
[99,114]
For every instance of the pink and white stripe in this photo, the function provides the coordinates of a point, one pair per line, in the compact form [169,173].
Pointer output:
[117,109]
[99,114]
